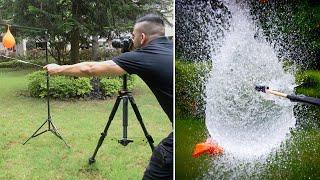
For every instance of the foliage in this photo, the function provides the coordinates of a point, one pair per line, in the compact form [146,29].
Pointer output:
[189,87]
[86,54]
[192,33]
[310,83]
[61,87]
[6,10]
[64,87]
[293,27]
[75,22]
[111,85]
[37,84]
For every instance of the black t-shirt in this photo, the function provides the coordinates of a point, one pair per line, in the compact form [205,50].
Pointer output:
[154,65]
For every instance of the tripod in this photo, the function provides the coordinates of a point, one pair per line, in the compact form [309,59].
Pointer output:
[126,96]
[51,127]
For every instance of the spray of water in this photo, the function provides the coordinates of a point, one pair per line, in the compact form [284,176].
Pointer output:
[247,124]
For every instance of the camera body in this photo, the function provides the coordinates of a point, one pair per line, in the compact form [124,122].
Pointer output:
[125,43]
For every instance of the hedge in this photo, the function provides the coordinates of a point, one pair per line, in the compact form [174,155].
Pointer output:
[64,87]
[190,82]
[309,83]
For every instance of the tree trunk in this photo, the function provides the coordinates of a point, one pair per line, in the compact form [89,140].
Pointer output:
[95,48]
[54,52]
[58,56]
[75,39]
[75,35]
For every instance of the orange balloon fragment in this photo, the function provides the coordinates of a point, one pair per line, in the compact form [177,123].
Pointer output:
[209,147]
[263,1]
[8,40]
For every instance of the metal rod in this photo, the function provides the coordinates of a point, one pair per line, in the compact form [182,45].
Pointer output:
[48,82]
[276,93]
[291,97]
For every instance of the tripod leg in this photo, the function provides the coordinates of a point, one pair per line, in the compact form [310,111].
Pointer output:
[124,141]
[104,133]
[56,133]
[125,117]
[138,115]
[35,133]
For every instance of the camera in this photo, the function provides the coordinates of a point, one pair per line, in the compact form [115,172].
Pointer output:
[125,43]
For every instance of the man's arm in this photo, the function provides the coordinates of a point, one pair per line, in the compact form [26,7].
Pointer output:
[86,69]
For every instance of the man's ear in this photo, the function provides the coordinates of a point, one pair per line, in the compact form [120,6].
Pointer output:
[144,38]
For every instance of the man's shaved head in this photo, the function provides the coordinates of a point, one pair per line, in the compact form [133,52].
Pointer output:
[150,24]
[146,29]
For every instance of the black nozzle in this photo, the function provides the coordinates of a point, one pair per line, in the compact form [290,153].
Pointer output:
[261,88]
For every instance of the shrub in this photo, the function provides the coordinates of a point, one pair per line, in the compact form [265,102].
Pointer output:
[37,84]
[60,86]
[189,86]
[310,83]
[111,85]
[63,87]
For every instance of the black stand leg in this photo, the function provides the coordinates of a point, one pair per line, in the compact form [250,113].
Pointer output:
[35,133]
[138,115]
[125,141]
[105,131]
[51,127]
[125,96]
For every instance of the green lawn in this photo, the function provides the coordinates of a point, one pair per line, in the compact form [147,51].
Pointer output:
[297,159]
[189,132]
[80,123]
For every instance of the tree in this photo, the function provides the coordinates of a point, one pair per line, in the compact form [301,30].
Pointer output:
[292,26]
[70,21]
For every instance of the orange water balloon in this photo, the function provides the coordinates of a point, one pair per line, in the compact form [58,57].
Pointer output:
[8,40]
[209,147]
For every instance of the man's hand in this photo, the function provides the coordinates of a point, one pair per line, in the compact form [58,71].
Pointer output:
[52,68]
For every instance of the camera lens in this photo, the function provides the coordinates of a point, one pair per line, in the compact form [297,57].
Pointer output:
[117,43]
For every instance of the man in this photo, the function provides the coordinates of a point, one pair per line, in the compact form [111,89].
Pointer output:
[152,61]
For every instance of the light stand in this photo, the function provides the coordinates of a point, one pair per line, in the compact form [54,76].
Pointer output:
[125,96]
[51,127]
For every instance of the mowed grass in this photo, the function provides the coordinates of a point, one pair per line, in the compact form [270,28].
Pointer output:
[298,158]
[80,123]
[189,132]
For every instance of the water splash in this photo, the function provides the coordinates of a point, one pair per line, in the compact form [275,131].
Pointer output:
[248,124]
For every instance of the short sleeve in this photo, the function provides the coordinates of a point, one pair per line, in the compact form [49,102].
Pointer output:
[132,62]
